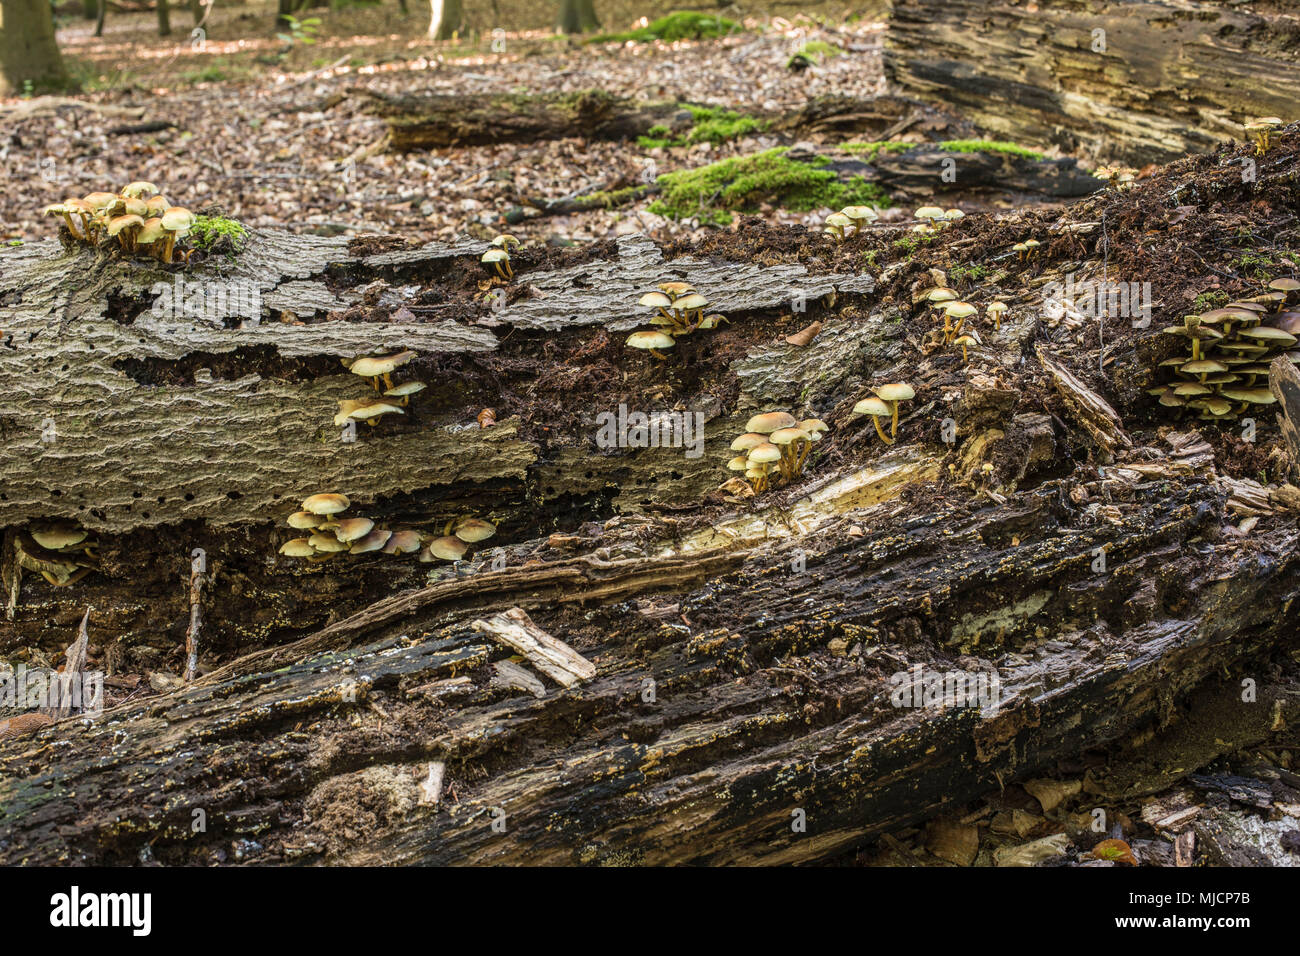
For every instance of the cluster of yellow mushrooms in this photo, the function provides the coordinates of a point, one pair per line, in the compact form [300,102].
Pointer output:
[141,220]
[332,534]
[59,551]
[774,448]
[394,399]
[856,218]
[955,314]
[1225,368]
[933,219]
[679,310]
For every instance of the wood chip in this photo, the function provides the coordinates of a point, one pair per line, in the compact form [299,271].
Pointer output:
[552,657]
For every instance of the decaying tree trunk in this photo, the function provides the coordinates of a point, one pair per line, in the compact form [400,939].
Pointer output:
[435,120]
[639,668]
[1141,82]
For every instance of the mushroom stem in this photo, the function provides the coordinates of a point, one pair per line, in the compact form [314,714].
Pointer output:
[880,431]
[893,407]
[1196,350]
[659,355]
[964,359]
[388,380]
[960,322]
[67,218]
[804,449]
[167,247]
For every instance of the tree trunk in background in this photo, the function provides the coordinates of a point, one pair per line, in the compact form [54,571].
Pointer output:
[578,16]
[99,17]
[28,51]
[445,18]
[197,10]
[164,19]
[89,9]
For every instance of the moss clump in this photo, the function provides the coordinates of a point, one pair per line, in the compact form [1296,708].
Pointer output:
[971,273]
[988,146]
[741,184]
[709,125]
[909,243]
[812,53]
[209,231]
[869,150]
[685,25]
[1209,300]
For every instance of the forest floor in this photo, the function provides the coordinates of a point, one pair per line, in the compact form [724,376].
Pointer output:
[273,133]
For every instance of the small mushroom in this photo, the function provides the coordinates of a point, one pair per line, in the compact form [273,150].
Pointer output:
[125,229]
[894,393]
[326,543]
[402,542]
[769,422]
[373,541]
[836,224]
[66,211]
[139,190]
[1262,127]
[963,341]
[861,216]
[305,520]
[995,311]
[298,548]
[326,504]
[404,392]
[177,222]
[877,409]
[449,548]
[652,342]
[353,529]
[500,260]
[379,366]
[474,530]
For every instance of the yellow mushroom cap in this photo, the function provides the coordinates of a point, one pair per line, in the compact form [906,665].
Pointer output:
[929,212]
[872,406]
[814,427]
[855,213]
[495,255]
[895,392]
[353,529]
[405,389]
[373,541]
[1201,366]
[650,340]
[1285,285]
[365,410]
[769,422]
[690,301]
[118,223]
[447,549]
[56,209]
[139,189]
[58,536]
[326,504]
[739,463]
[838,220]
[655,300]
[98,201]
[1270,335]
[959,310]
[1031,243]
[505,241]
[764,454]
[298,548]
[675,289]
[747,441]
[474,530]
[373,365]
[158,205]
[786,436]
[1256,396]
[403,542]
[941,295]
[151,231]
[997,307]
[305,520]
[326,543]
[177,219]
[951,214]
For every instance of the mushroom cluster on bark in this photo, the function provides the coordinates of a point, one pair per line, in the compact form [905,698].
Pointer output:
[332,534]
[141,220]
[1224,368]
[394,399]
[679,311]
[884,404]
[775,448]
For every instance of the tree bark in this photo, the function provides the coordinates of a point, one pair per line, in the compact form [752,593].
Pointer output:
[578,16]
[445,18]
[1139,82]
[164,18]
[29,54]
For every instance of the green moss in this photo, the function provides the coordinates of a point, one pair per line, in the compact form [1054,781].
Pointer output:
[684,25]
[988,146]
[813,52]
[909,243]
[869,150]
[207,231]
[1209,300]
[971,273]
[742,183]
[710,125]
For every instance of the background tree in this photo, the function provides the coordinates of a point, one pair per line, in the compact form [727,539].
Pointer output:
[578,16]
[164,19]
[28,51]
[445,18]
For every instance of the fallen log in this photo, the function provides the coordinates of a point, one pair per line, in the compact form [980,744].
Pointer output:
[1137,82]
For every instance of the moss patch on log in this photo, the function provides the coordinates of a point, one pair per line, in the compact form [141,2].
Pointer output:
[684,25]
[710,125]
[218,234]
[715,192]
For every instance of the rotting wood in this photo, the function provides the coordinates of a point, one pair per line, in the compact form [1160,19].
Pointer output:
[552,657]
